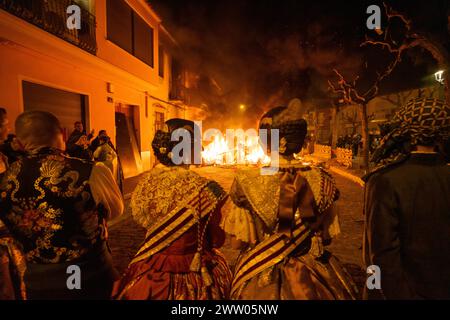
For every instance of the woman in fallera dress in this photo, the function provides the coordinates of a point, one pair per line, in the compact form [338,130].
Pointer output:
[179,259]
[282,223]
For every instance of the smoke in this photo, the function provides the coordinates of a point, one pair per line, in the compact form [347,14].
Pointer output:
[294,111]
[262,54]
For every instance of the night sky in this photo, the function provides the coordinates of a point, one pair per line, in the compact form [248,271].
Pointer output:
[264,53]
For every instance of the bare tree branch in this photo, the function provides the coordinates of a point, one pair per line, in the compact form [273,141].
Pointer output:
[411,39]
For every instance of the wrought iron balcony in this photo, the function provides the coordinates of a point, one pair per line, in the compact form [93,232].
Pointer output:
[51,16]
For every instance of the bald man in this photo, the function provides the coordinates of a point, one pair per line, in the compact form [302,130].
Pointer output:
[57,208]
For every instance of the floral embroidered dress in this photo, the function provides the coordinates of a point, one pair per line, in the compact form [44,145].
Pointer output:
[49,208]
[284,220]
[179,259]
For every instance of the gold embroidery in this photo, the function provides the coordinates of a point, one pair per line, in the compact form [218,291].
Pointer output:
[163,185]
[37,221]
[262,192]
[51,171]
[160,197]
[11,179]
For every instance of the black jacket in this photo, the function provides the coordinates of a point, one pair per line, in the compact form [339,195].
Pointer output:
[407,232]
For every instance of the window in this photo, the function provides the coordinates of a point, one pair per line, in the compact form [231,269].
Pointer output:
[159,121]
[143,40]
[161,62]
[129,31]
[119,24]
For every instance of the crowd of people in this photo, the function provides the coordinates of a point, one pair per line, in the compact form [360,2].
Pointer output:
[54,211]
[353,142]
[85,146]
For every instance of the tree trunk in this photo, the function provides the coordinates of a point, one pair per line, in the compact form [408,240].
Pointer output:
[334,123]
[365,135]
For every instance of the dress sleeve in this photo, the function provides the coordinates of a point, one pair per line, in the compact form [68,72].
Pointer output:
[239,222]
[216,234]
[331,225]
[237,219]
[97,152]
[105,190]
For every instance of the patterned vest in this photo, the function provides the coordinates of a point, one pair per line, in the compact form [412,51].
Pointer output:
[47,205]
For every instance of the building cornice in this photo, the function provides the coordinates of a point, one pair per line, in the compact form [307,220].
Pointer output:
[148,7]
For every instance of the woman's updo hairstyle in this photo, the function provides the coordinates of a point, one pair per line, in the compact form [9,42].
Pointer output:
[291,125]
[162,145]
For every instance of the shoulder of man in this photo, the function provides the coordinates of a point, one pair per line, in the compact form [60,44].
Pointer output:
[78,160]
[84,167]
[387,172]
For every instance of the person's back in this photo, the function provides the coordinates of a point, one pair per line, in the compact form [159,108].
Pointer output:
[47,196]
[282,223]
[48,207]
[56,207]
[407,208]
[415,201]
[181,211]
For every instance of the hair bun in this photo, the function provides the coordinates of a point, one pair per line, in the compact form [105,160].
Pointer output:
[162,146]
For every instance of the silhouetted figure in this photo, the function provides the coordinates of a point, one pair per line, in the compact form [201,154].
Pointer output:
[77,144]
[407,206]
[96,142]
[11,148]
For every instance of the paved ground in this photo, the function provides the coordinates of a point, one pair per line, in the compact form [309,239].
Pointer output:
[348,245]
[126,236]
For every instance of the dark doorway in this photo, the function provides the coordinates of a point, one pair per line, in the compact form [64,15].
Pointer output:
[126,141]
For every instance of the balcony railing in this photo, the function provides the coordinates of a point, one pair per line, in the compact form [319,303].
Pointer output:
[51,16]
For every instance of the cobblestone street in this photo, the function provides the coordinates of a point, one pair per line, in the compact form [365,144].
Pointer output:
[126,236]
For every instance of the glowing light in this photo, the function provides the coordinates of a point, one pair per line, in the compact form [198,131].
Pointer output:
[218,152]
[242,107]
[439,76]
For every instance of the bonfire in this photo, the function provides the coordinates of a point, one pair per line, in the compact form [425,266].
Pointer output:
[248,151]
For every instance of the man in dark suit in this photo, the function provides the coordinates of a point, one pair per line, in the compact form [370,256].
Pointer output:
[407,206]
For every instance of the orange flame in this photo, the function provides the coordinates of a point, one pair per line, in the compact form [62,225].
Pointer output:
[220,152]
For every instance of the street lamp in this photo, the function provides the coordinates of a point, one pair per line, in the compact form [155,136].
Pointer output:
[242,107]
[439,76]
